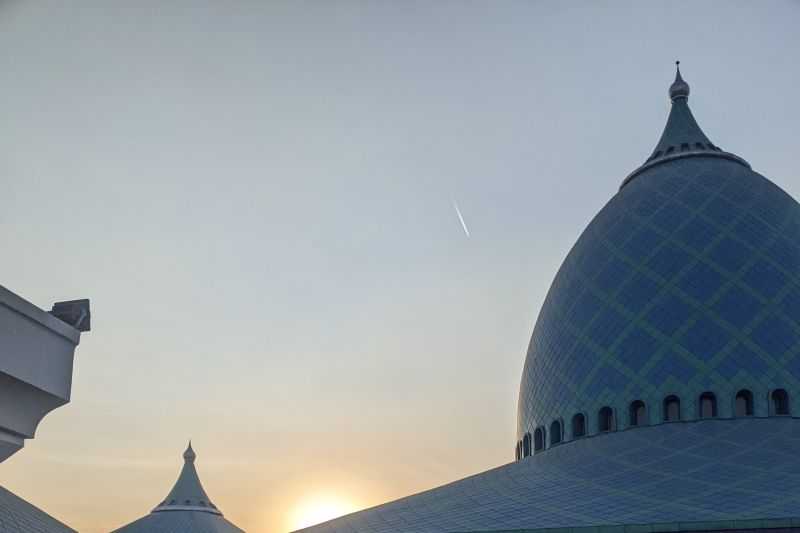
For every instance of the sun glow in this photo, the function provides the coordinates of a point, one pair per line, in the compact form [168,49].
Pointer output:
[316,510]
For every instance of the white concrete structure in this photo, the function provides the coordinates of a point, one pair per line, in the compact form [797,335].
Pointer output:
[36,354]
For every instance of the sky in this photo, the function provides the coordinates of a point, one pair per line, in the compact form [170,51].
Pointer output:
[259,200]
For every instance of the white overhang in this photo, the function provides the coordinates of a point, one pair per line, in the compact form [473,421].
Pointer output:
[36,356]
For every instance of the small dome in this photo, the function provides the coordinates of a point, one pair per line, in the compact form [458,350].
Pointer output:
[187,491]
[186,508]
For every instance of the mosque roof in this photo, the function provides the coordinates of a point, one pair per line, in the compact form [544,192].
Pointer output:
[187,507]
[19,516]
[715,474]
[660,376]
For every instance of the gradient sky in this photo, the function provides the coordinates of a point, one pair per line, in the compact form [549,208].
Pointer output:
[258,199]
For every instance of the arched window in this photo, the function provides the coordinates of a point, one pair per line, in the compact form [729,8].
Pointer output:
[605,419]
[638,413]
[743,406]
[538,439]
[672,409]
[780,402]
[578,426]
[708,405]
[555,432]
[526,445]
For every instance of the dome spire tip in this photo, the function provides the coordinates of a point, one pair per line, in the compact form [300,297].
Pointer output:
[679,88]
[189,455]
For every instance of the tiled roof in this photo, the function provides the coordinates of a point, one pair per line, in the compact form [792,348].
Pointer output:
[19,516]
[710,470]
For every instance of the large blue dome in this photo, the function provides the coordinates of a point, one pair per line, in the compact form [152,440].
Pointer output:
[686,283]
[678,309]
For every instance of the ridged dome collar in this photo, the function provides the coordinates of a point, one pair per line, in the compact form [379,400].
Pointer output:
[682,136]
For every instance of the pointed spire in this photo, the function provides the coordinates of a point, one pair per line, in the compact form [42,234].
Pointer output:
[682,133]
[188,493]
[682,136]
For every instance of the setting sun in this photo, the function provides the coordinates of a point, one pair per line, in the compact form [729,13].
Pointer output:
[320,509]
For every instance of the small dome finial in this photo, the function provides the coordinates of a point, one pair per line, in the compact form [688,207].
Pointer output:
[189,455]
[679,88]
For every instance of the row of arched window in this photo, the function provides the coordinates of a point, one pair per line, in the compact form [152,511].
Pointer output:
[637,416]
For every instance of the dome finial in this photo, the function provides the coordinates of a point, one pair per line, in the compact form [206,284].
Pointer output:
[679,88]
[189,455]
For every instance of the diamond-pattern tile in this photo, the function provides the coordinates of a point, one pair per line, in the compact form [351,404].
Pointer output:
[687,280]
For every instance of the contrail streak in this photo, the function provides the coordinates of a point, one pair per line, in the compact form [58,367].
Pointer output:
[461,219]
